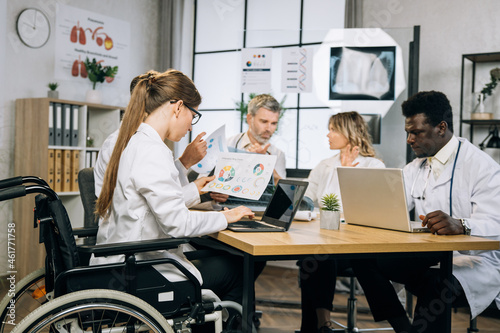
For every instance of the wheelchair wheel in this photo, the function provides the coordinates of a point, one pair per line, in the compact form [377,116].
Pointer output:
[29,295]
[95,310]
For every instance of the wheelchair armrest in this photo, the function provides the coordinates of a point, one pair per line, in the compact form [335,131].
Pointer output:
[85,232]
[129,248]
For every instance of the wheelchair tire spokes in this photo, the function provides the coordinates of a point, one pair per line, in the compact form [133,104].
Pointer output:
[24,300]
[95,311]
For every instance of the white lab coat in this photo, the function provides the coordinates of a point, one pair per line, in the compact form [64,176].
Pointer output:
[476,197]
[242,141]
[189,190]
[323,179]
[148,203]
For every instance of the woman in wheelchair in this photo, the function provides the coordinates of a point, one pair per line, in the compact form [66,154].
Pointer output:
[141,195]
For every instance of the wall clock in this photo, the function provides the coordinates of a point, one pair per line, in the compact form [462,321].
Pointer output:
[33,27]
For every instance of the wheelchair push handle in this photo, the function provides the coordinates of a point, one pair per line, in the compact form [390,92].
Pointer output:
[12,192]
[10,182]
[23,190]
[19,180]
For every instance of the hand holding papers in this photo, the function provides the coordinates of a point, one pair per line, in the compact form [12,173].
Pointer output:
[242,175]
[216,144]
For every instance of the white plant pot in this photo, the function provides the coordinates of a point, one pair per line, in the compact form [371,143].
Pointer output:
[53,94]
[329,220]
[93,96]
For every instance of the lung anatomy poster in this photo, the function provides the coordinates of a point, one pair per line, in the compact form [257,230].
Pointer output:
[242,175]
[82,34]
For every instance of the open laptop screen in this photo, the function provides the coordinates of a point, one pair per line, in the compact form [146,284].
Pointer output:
[284,202]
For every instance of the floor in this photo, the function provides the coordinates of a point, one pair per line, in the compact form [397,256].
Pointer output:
[278,298]
[277,284]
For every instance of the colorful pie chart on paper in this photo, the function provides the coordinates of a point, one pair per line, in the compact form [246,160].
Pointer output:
[237,188]
[226,174]
[258,169]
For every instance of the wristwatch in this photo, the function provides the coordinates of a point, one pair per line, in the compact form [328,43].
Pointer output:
[466,226]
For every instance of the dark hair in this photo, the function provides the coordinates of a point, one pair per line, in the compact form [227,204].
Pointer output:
[433,104]
[149,92]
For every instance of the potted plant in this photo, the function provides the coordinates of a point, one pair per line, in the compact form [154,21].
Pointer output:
[53,93]
[330,212]
[97,73]
[478,111]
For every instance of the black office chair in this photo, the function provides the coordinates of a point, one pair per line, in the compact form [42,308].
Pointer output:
[86,185]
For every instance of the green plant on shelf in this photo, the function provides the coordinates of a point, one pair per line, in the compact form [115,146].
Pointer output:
[53,86]
[490,86]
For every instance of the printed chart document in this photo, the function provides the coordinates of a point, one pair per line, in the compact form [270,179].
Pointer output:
[256,70]
[216,144]
[242,175]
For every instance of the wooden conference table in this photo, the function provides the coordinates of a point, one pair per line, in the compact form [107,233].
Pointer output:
[306,238]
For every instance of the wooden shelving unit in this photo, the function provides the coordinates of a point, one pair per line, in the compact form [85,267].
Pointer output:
[474,60]
[31,159]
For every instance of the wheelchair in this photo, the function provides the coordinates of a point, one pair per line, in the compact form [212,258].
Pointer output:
[68,295]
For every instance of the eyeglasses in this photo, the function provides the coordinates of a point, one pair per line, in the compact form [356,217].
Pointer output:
[196,116]
[420,197]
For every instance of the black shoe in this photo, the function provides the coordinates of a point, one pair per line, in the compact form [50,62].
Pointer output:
[325,329]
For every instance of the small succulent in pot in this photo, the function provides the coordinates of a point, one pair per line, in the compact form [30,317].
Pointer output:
[330,202]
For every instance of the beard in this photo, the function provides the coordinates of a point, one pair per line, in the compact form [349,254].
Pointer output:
[259,138]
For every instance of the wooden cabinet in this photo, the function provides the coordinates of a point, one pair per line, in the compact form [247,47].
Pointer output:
[31,159]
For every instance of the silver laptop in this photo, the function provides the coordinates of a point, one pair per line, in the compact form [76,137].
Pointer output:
[376,198]
[280,210]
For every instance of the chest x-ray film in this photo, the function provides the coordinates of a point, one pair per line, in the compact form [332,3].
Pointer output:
[362,73]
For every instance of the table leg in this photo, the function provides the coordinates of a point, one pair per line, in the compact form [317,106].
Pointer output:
[248,293]
[447,275]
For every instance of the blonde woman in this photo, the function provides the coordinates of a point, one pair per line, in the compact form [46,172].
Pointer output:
[348,133]
[142,197]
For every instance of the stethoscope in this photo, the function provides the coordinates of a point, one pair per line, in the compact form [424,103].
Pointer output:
[451,181]
[237,142]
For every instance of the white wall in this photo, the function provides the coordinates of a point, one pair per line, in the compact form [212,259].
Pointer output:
[25,72]
[449,28]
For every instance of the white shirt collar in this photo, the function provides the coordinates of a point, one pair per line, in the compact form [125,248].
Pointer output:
[444,154]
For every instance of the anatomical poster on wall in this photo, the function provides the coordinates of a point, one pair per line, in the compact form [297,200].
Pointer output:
[296,69]
[242,175]
[82,34]
[256,70]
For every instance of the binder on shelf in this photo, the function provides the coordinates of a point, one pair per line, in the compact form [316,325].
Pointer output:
[74,125]
[58,170]
[67,171]
[66,124]
[51,124]
[58,124]
[87,159]
[75,168]
[94,158]
[50,177]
